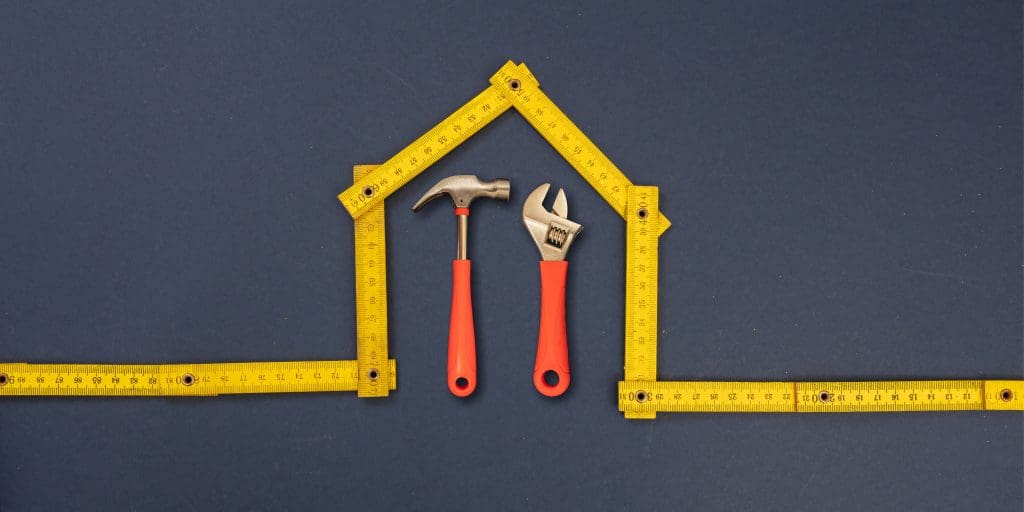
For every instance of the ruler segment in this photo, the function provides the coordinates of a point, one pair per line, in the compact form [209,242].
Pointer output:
[1004,395]
[643,226]
[565,137]
[371,297]
[205,379]
[648,397]
[891,396]
[371,189]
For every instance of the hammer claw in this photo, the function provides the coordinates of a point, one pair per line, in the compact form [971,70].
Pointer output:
[462,189]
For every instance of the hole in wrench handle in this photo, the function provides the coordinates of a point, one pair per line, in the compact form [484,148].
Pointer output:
[552,343]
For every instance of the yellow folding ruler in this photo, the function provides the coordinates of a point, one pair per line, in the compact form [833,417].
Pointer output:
[371,375]
[642,396]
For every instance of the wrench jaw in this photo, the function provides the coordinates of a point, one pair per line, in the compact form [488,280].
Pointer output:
[551,231]
[561,206]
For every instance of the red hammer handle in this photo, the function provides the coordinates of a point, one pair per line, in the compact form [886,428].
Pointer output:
[552,343]
[461,339]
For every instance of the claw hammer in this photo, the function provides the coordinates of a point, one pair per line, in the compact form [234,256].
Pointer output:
[462,190]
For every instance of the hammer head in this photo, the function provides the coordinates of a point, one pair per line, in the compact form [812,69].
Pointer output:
[463,189]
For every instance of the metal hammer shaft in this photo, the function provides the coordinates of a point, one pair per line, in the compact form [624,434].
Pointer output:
[462,250]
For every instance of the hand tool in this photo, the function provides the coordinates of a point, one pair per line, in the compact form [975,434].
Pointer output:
[462,190]
[553,233]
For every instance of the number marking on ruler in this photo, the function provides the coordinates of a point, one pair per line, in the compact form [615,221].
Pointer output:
[371,298]
[647,397]
[208,379]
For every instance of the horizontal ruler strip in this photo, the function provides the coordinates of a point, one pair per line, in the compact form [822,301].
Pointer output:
[649,397]
[202,379]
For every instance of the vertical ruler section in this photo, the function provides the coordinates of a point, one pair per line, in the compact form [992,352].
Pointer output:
[643,225]
[371,189]
[371,297]
[563,135]
[900,396]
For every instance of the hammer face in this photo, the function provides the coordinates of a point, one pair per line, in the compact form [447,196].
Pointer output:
[462,189]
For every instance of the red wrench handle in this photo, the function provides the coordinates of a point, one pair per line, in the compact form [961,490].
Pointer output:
[552,345]
[461,339]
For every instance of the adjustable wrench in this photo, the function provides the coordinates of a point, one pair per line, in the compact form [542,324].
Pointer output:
[553,233]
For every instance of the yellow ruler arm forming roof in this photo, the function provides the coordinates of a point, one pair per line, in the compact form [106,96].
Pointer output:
[513,86]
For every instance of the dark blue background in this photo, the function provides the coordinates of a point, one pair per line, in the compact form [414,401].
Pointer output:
[844,180]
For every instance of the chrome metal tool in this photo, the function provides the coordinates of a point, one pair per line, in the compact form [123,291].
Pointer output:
[553,233]
[462,190]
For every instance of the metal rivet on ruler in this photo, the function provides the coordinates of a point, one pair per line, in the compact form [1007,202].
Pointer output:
[514,84]
[642,213]
[825,396]
[368,191]
[188,379]
[1006,395]
[373,374]
[641,396]
[3,379]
